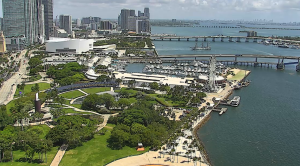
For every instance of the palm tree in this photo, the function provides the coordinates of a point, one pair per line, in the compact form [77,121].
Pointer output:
[119,81]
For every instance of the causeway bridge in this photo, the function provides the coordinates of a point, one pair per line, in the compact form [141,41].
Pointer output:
[220,38]
[228,59]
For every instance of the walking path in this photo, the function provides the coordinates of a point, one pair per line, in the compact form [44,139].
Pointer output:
[43,79]
[59,155]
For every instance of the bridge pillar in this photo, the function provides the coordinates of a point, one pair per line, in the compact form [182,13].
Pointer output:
[256,59]
[255,40]
[170,39]
[230,39]
[222,39]
[162,39]
[298,68]
[213,39]
[247,40]
[205,39]
[178,39]
[188,39]
[280,65]
[238,39]
[196,39]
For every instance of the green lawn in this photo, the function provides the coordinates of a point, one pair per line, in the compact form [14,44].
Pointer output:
[72,94]
[162,100]
[27,89]
[20,155]
[76,105]
[9,105]
[96,152]
[96,90]
[71,111]
[35,78]
[239,76]
[131,91]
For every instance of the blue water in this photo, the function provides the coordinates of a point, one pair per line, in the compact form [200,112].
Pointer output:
[265,129]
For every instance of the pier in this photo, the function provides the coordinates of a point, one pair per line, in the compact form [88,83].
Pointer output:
[220,110]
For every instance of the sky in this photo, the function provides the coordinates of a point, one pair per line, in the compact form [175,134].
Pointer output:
[278,10]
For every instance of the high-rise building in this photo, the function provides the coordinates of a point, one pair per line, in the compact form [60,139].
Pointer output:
[89,20]
[132,23]
[78,22]
[132,12]
[106,25]
[1,23]
[140,13]
[2,43]
[23,18]
[65,22]
[96,19]
[125,13]
[147,12]
[94,26]
[143,26]
[119,20]
[48,17]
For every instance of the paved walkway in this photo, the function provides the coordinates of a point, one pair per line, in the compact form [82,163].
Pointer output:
[59,155]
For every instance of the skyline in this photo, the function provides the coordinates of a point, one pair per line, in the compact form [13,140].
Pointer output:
[279,11]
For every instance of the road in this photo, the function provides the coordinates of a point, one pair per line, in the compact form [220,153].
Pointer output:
[9,87]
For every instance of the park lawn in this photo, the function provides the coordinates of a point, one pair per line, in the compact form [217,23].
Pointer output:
[239,76]
[162,101]
[72,94]
[27,89]
[9,105]
[71,111]
[96,90]
[76,105]
[131,91]
[20,155]
[96,152]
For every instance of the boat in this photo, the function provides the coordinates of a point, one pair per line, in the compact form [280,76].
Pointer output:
[237,87]
[235,101]
[295,47]
[283,46]
[201,48]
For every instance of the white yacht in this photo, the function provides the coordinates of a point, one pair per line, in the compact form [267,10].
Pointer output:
[235,101]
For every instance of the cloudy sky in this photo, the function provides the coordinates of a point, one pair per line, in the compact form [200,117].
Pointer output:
[278,10]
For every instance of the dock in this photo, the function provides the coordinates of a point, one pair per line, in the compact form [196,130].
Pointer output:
[220,110]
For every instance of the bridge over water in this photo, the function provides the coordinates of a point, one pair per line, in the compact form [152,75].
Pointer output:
[251,59]
[220,37]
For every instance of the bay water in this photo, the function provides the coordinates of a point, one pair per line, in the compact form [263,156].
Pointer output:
[265,129]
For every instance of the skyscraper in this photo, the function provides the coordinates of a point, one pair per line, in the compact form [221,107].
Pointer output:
[65,22]
[132,12]
[125,13]
[48,17]
[147,12]
[22,18]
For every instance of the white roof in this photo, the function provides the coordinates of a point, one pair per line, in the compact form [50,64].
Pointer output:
[57,39]
[217,78]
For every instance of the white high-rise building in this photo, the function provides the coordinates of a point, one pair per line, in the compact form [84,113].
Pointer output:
[65,22]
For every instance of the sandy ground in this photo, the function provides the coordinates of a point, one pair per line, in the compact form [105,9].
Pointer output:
[152,158]
[236,71]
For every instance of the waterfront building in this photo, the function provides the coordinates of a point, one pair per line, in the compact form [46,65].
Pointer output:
[125,13]
[66,45]
[48,18]
[143,26]
[23,18]
[132,20]
[65,22]
[174,20]
[2,43]
[147,12]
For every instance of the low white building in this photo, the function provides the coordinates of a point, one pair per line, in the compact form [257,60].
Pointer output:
[146,78]
[66,45]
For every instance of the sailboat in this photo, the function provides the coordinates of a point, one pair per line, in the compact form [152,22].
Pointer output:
[201,48]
